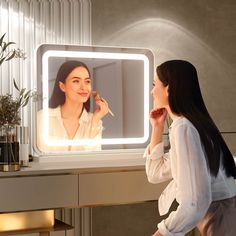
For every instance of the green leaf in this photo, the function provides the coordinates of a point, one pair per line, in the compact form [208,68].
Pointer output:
[9,43]
[12,56]
[5,45]
[1,39]
[15,85]
[22,91]
[2,60]
[26,101]
[20,101]
[27,94]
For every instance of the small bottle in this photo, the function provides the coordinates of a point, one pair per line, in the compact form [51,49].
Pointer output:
[23,138]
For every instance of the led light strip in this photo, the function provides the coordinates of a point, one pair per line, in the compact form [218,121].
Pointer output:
[97,55]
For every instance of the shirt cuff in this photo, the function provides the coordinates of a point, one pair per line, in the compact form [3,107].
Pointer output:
[156,153]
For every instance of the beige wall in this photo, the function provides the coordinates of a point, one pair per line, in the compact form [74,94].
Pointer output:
[203,32]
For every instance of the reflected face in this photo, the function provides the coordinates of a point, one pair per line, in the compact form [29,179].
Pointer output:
[160,94]
[77,86]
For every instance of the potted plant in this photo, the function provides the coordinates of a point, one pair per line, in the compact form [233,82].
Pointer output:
[10,114]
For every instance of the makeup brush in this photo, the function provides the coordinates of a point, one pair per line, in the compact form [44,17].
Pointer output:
[96,96]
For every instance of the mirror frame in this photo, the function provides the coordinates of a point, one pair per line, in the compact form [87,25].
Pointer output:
[94,52]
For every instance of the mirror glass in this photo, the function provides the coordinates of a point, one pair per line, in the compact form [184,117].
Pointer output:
[113,82]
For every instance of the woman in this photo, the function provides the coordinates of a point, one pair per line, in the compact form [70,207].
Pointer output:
[199,162]
[69,116]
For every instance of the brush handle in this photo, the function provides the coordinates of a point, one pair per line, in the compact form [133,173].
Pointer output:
[97,96]
[110,112]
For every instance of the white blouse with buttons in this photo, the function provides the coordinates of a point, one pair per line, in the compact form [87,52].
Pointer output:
[57,131]
[192,185]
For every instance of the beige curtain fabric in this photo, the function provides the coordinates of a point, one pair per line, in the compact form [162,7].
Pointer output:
[219,219]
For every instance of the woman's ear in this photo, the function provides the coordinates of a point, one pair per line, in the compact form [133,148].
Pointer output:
[61,86]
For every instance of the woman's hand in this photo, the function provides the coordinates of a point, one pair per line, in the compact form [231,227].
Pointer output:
[102,109]
[158,117]
[157,233]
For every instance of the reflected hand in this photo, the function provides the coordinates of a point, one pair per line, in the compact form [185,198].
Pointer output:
[158,117]
[102,109]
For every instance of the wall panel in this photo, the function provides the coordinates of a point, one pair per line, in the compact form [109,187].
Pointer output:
[30,23]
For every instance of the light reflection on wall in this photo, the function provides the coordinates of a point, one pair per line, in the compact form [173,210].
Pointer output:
[169,40]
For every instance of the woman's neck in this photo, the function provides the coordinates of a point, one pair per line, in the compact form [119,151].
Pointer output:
[172,115]
[71,111]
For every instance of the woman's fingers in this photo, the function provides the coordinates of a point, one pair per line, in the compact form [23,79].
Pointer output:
[158,116]
[101,102]
[103,107]
[155,113]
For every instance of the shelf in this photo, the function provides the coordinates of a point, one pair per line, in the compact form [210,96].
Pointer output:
[58,226]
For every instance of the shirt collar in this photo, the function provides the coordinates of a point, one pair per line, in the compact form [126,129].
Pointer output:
[84,117]
[57,112]
[175,121]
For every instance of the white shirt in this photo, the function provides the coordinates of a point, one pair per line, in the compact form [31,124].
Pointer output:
[192,185]
[57,131]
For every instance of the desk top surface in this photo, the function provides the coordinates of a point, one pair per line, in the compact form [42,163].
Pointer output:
[103,162]
[100,162]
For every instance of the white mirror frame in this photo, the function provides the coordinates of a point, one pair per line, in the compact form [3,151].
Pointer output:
[136,54]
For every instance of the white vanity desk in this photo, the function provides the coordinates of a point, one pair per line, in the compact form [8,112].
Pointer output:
[57,182]
[77,182]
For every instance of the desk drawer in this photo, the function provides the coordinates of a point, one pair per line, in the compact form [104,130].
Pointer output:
[38,192]
[116,188]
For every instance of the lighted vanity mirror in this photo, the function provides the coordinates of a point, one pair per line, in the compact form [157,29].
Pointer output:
[69,74]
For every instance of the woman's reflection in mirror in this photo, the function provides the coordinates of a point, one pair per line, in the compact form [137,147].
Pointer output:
[69,110]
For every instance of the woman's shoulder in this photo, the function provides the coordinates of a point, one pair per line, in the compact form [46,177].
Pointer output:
[86,116]
[185,129]
[182,123]
[51,111]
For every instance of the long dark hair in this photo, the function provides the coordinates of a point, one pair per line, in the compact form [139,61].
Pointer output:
[185,99]
[58,97]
